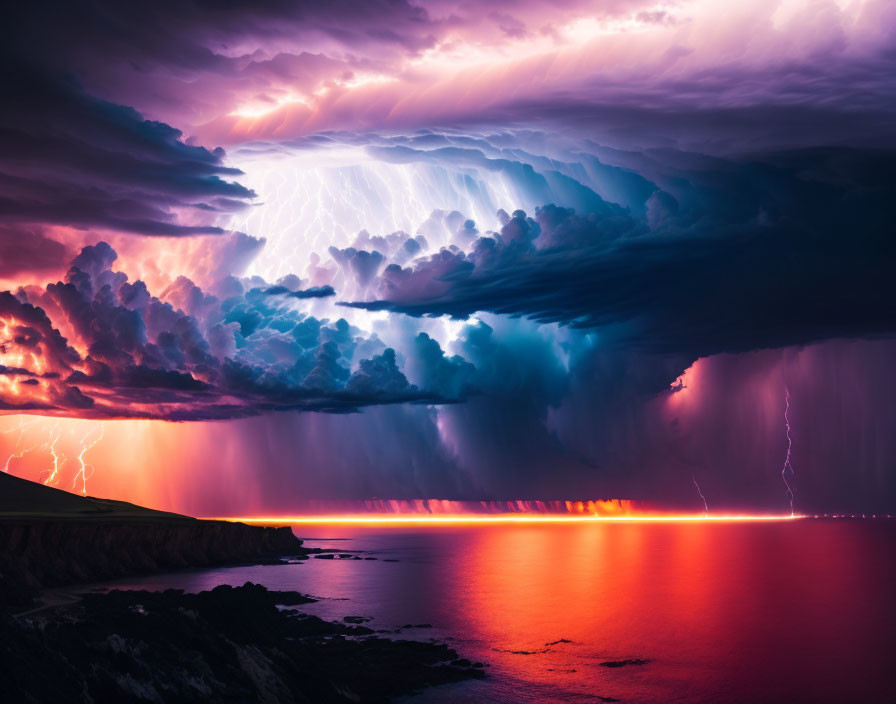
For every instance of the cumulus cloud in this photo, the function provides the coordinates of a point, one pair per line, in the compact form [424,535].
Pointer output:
[132,354]
[452,376]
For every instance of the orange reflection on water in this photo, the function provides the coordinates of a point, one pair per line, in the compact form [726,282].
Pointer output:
[472,519]
[726,612]
[722,612]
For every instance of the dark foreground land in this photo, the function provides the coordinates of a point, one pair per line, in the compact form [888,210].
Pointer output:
[226,645]
[51,538]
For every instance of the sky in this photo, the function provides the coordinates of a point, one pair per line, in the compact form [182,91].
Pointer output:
[253,255]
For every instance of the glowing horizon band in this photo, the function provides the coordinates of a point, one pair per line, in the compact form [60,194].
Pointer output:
[500,518]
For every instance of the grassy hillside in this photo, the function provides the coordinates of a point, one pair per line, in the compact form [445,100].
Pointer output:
[20,498]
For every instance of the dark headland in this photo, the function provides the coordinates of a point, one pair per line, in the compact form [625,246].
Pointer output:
[225,645]
[50,537]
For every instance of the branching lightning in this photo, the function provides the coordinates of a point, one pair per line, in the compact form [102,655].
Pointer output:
[702,497]
[59,458]
[85,471]
[788,467]
[19,451]
[57,443]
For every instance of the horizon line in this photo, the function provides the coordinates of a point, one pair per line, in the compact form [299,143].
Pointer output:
[410,519]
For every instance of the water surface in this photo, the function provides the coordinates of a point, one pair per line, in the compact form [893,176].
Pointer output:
[797,611]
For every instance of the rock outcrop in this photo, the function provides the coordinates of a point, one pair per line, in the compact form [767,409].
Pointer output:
[43,553]
[228,645]
[52,538]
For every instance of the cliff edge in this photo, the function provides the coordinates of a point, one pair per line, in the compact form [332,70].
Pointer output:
[50,538]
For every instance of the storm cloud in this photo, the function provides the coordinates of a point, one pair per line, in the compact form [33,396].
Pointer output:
[793,250]
[584,249]
[144,358]
[71,159]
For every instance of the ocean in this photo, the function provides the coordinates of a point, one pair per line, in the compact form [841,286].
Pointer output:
[793,611]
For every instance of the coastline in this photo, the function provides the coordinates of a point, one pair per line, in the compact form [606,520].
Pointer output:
[228,644]
[50,538]
[39,553]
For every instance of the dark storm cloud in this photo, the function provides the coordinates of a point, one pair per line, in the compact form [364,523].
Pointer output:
[243,355]
[29,249]
[500,435]
[184,56]
[453,377]
[313,292]
[786,251]
[729,109]
[183,59]
[67,158]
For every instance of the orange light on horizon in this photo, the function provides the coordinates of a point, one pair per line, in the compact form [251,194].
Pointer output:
[494,519]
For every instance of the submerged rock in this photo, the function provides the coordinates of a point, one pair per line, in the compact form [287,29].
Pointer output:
[623,663]
[356,619]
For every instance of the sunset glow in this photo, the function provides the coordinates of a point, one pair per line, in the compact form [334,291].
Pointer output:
[496,519]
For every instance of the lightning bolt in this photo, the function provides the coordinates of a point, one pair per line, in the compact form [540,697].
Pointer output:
[18,451]
[787,464]
[87,444]
[58,457]
[702,497]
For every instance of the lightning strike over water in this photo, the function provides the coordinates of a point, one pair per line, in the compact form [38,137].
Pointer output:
[703,498]
[787,464]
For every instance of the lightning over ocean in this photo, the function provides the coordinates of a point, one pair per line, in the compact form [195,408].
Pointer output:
[444,325]
[788,466]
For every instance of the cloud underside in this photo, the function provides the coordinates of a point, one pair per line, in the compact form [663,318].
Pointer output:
[70,159]
[807,256]
[698,297]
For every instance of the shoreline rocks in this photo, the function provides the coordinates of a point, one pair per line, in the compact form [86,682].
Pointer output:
[226,645]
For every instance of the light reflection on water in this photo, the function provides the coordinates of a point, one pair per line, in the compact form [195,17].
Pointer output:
[789,612]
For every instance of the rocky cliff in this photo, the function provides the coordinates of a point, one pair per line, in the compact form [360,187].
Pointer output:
[40,553]
[87,540]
